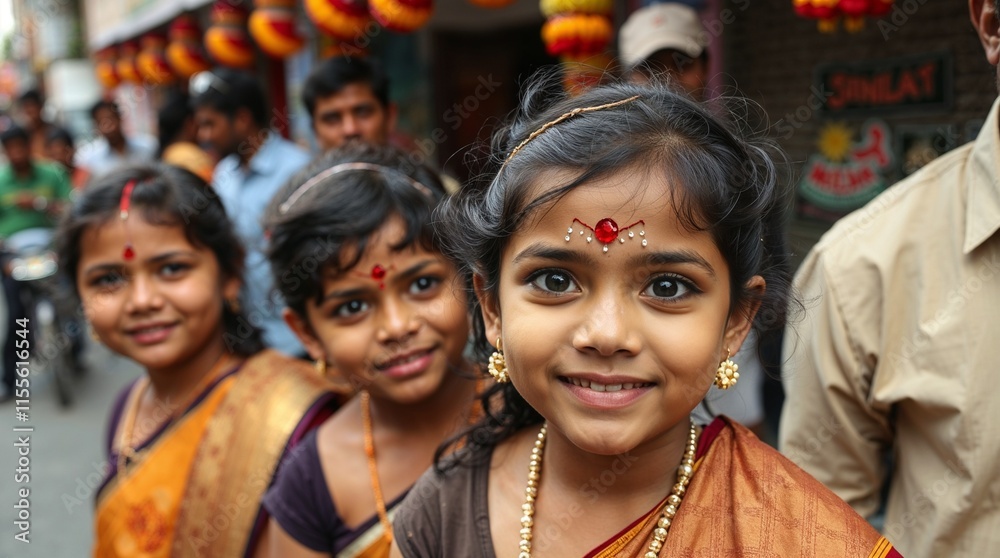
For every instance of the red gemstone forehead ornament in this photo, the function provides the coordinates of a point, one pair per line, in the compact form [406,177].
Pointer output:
[606,231]
[124,204]
[377,274]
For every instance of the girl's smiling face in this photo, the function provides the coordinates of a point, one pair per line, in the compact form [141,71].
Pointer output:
[395,324]
[614,348]
[162,308]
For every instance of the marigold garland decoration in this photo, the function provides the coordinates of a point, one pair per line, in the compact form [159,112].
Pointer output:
[344,20]
[152,60]
[184,52]
[830,12]
[125,66]
[107,75]
[402,16]
[226,40]
[579,32]
[552,7]
[272,26]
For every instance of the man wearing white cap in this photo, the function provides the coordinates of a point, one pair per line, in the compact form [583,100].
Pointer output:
[665,39]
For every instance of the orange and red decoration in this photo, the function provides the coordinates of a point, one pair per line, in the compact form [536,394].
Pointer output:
[105,67]
[152,60]
[125,66]
[226,40]
[184,52]
[272,26]
[401,16]
[579,32]
[344,20]
[828,13]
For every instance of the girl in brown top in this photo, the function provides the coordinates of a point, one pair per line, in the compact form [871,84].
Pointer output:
[620,256]
[375,302]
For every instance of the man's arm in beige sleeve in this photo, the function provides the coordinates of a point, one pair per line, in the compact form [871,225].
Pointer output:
[827,425]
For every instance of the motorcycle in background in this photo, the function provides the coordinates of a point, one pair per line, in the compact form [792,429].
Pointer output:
[50,307]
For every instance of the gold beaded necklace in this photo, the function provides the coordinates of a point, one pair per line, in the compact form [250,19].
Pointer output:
[684,473]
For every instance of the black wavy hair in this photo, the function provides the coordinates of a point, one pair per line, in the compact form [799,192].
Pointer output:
[175,112]
[345,210]
[727,185]
[231,90]
[336,73]
[166,195]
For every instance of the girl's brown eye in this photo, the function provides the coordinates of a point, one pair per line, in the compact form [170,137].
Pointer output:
[553,281]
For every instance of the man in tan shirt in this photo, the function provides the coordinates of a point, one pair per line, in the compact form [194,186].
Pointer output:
[899,350]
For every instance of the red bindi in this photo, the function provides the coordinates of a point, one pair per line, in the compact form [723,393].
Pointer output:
[606,231]
[378,272]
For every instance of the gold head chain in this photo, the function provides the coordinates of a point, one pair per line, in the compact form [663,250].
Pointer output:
[565,116]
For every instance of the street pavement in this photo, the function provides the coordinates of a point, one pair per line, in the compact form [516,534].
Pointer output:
[66,460]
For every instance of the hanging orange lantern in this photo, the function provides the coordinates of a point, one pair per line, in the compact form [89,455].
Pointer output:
[576,34]
[107,75]
[579,32]
[272,26]
[152,61]
[555,7]
[226,40]
[345,20]
[184,53]
[402,16]
[125,66]
[829,12]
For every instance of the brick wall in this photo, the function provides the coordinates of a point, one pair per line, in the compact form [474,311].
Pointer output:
[771,55]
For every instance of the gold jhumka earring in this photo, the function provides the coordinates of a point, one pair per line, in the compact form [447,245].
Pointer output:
[498,365]
[727,375]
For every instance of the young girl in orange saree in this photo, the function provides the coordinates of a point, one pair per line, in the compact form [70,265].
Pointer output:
[620,255]
[194,443]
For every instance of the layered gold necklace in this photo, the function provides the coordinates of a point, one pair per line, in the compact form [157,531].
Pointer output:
[684,473]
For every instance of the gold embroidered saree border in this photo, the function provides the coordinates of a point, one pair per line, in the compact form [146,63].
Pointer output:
[238,457]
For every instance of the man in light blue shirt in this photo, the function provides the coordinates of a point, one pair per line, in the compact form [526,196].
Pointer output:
[232,117]
[113,148]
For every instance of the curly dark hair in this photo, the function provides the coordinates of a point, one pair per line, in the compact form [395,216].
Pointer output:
[727,185]
[345,209]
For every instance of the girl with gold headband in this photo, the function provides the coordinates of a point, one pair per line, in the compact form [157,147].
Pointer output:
[620,256]
[378,306]
[194,443]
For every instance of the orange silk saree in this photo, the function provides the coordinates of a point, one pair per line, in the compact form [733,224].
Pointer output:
[745,499]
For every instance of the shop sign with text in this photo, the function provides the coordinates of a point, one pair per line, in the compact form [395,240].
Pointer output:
[913,84]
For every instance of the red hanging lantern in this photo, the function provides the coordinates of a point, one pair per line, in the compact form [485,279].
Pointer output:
[345,20]
[184,53]
[226,40]
[402,16]
[107,75]
[577,35]
[272,26]
[829,12]
[578,32]
[125,66]
[152,60]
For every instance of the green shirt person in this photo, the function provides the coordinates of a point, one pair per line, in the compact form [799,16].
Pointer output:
[31,192]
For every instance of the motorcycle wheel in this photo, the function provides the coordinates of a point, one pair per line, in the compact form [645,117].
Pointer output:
[56,350]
